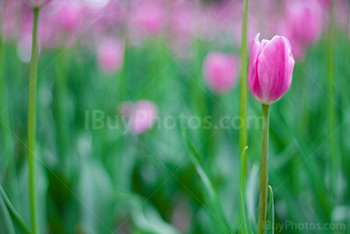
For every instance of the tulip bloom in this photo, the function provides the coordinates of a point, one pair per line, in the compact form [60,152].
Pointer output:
[269,78]
[110,55]
[37,3]
[221,72]
[149,17]
[69,16]
[303,25]
[305,21]
[270,69]
[143,117]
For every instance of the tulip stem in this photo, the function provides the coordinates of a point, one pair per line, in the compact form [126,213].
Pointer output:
[32,123]
[243,137]
[332,111]
[264,169]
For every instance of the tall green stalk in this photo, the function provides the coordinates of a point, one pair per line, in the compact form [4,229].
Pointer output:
[332,109]
[61,114]
[264,169]
[4,114]
[32,123]
[122,78]
[243,135]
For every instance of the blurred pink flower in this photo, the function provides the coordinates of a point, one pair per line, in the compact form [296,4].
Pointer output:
[270,69]
[110,21]
[12,22]
[182,24]
[110,55]
[303,25]
[36,3]
[144,116]
[182,19]
[149,16]
[220,71]
[69,16]
[304,20]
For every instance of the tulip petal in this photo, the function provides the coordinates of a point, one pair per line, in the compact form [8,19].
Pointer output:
[275,69]
[253,81]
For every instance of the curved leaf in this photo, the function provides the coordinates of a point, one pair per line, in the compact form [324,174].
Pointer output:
[270,219]
[13,211]
[213,198]
[245,225]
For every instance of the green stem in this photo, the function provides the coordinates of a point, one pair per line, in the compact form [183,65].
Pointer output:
[264,169]
[243,135]
[334,155]
[32,123]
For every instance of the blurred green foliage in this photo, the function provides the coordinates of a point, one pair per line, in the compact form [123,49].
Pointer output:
[104,181]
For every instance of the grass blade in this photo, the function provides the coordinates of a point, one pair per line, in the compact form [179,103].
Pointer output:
[199,166]
[245,224]
[270,219]
[13,211]
[6,216]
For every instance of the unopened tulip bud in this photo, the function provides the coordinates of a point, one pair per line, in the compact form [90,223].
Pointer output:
[270,69]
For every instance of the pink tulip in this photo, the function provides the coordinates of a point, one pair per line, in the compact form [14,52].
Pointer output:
[148,16]
[110,56]
[144,116]
[303,25]
[69,16]
[221,71]
[182,22]
[36,3]
[304,20]
[111,21]
[270,69]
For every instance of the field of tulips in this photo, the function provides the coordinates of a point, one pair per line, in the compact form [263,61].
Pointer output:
[175,116]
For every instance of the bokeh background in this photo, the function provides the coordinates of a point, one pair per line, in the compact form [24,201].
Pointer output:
[120,81]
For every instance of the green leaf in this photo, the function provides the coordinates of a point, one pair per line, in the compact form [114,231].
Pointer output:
[245,224]
[149,220]
[213,198]
[6,216]
[144,215]
[5,200]
[270,220]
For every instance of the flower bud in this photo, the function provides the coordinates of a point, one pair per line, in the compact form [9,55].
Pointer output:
[270,69]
